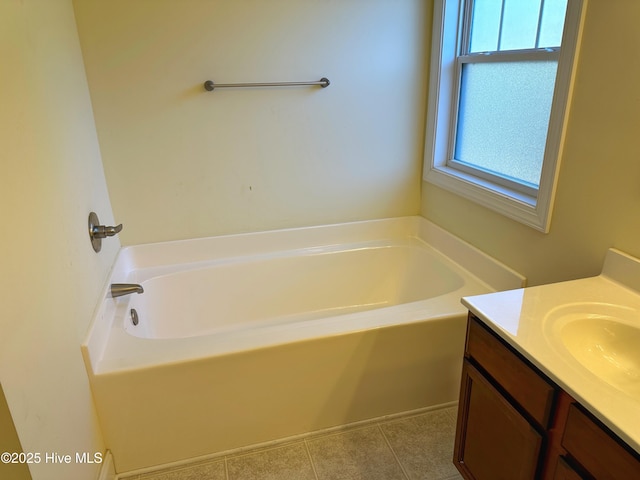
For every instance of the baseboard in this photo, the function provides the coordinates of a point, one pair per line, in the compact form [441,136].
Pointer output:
[107,469]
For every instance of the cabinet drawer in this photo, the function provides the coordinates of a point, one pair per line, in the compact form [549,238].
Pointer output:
[530,390]
[597,451]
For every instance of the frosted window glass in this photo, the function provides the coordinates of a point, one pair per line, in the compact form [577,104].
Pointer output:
[552,24]
[485,25]
[520,24]
[503,117]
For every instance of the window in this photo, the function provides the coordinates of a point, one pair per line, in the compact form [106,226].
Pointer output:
[499,89]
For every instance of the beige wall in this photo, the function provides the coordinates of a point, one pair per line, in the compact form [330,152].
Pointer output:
[181,162]
[598,198]
[9,442]
[51,279]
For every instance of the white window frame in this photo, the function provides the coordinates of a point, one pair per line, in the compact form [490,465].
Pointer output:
[528,206]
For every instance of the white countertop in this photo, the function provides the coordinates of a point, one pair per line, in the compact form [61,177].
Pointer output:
[530,319]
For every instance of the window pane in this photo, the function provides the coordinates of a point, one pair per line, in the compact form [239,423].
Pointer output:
[485,25]
[504,115]
[520,24]
[553,13]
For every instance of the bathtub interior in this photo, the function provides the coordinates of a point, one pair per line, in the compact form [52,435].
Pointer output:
[294,286]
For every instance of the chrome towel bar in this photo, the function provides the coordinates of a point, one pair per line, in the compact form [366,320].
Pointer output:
[210,86]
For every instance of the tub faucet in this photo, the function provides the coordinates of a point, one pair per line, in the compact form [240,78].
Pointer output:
[120,289]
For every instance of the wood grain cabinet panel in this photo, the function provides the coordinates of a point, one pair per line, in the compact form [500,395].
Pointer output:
[565,472]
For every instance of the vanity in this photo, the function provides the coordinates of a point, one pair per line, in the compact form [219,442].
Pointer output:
[551,380]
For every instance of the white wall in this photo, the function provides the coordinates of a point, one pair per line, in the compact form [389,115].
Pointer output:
[181,162]
[598,195]
[51,177]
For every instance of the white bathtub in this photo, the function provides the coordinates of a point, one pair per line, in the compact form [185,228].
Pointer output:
[248,338]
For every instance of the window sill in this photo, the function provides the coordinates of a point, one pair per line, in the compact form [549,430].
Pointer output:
[515,205]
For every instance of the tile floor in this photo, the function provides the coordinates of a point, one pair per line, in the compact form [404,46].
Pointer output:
[415,446]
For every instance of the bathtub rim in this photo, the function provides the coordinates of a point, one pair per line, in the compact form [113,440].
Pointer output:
[496,274]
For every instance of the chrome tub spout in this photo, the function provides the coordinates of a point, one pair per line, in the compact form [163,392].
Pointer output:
[120,289]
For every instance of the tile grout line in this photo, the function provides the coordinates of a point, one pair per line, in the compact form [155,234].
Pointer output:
[226,467]
[404,472]
[313,465]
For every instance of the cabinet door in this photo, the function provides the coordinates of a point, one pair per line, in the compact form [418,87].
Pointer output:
[493,441]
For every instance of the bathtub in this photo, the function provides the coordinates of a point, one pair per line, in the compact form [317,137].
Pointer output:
[245,339]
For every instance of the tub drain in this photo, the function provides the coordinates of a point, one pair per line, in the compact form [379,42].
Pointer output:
[134,317]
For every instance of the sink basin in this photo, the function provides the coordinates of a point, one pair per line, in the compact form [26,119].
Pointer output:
[604,339]
[609,349]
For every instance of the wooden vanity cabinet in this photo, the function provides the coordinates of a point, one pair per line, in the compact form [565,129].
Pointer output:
[515,424]
[505,408]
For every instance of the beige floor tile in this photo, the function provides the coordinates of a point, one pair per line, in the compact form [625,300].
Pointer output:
[355,454]
[424,444]
[452,412]
[287,462]
[202,471]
